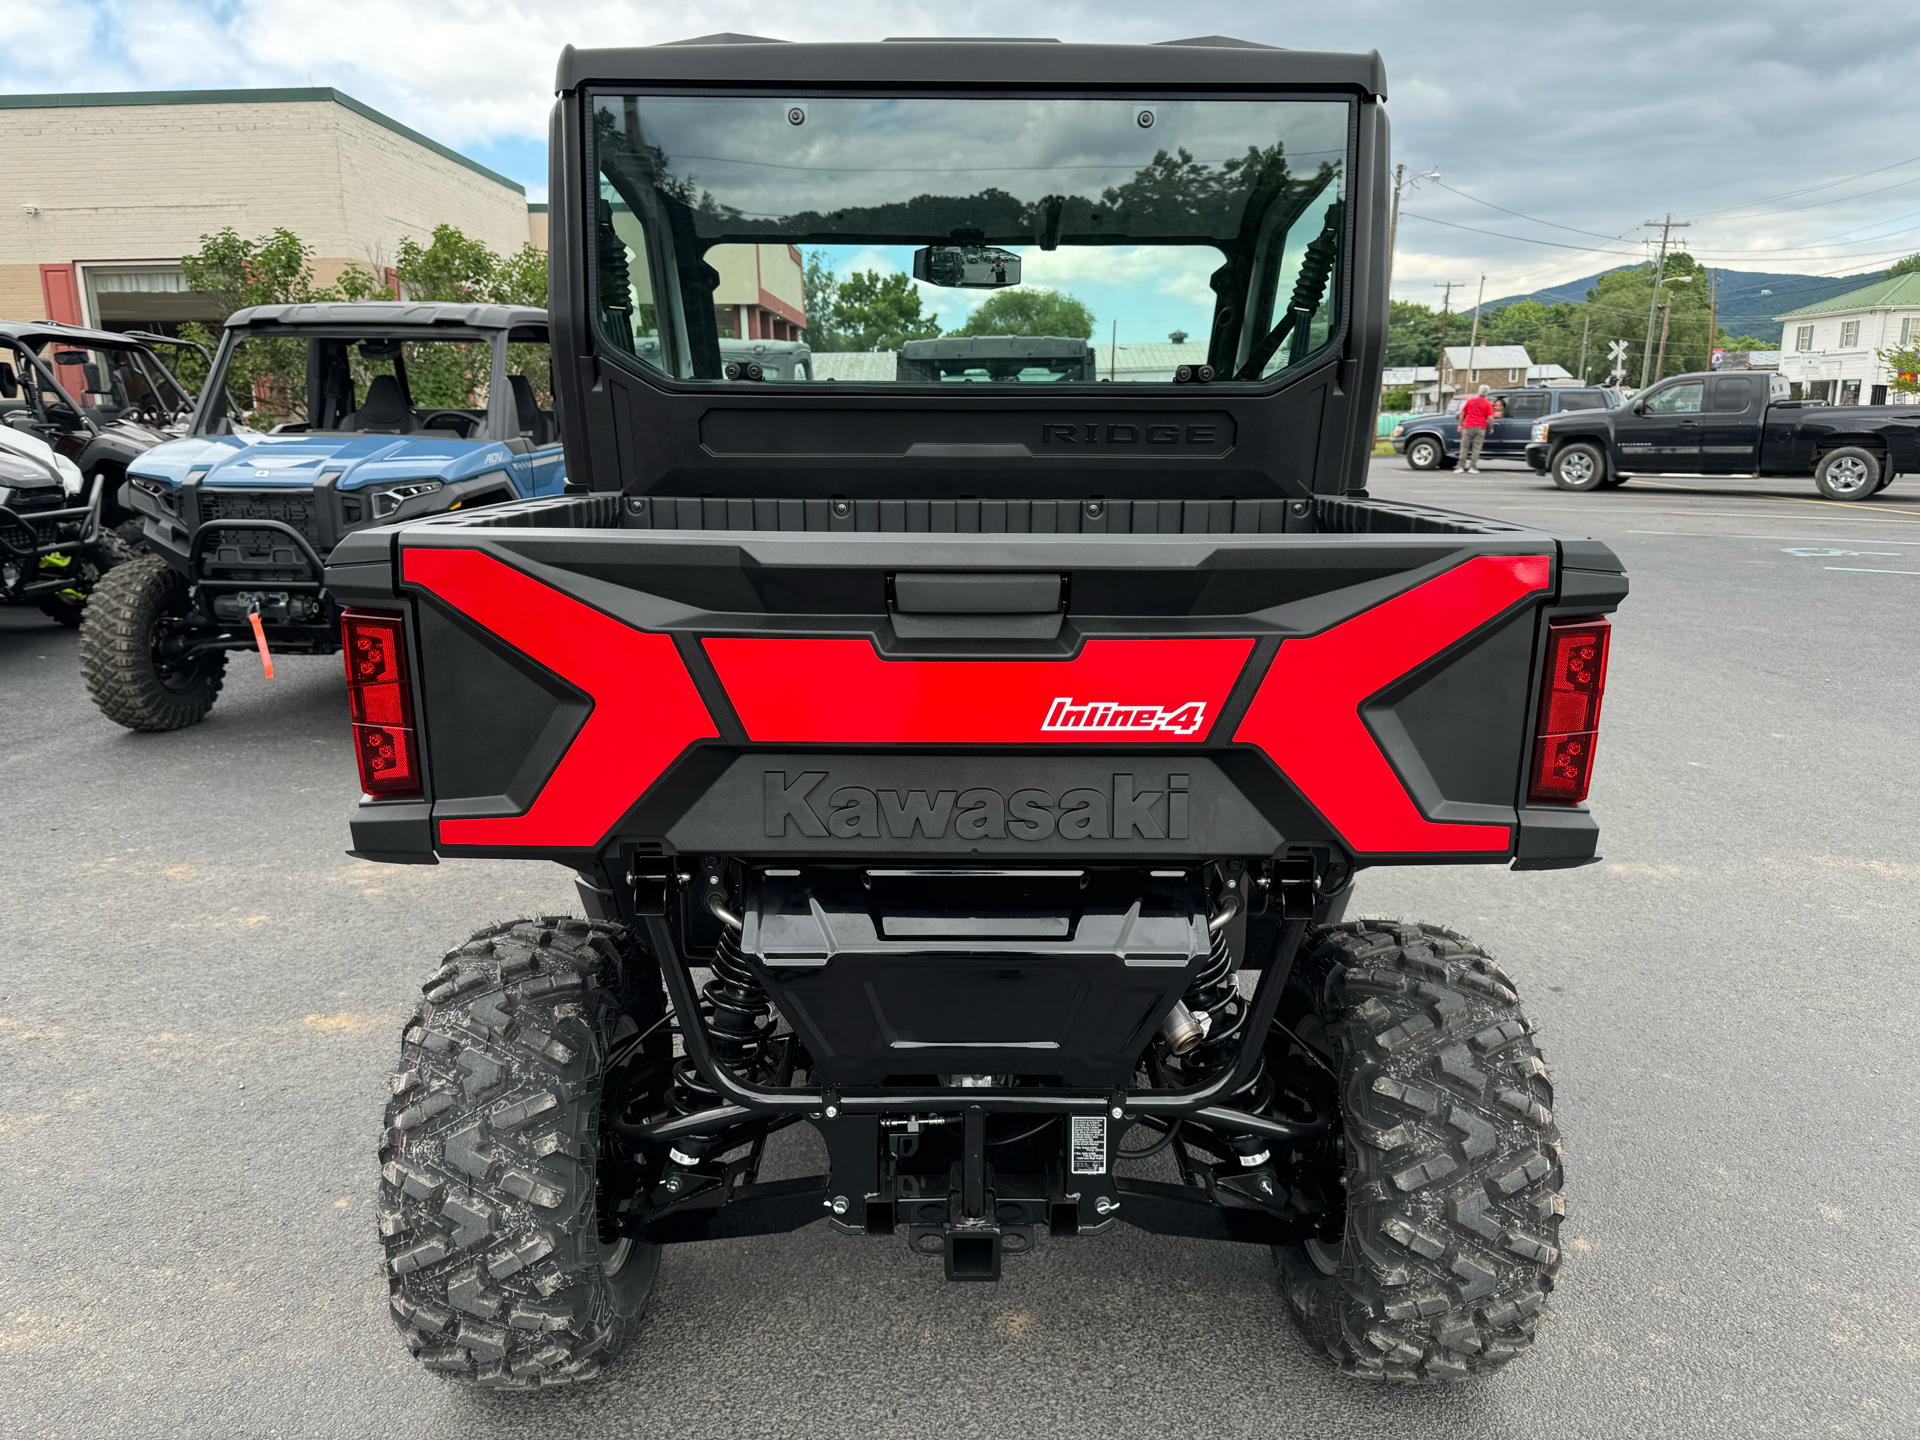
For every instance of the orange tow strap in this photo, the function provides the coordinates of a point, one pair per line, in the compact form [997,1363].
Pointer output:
[260,639]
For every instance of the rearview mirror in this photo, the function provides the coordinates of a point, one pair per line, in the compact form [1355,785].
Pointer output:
[70,357]
[967,267]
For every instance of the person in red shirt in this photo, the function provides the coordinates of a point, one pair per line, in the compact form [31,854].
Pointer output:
[1476,411]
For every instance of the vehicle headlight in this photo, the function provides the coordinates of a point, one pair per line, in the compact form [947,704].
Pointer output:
[389,500]
[1395,434]
[1539,432]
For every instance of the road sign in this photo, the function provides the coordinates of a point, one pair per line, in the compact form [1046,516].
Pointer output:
[1618,352]
[1617,376]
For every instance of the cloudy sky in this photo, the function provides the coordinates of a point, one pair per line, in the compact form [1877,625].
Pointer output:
[1789,133]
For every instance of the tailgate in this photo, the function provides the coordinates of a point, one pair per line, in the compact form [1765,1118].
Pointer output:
[978,680]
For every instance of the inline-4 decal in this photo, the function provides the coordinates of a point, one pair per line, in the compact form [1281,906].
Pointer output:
[645,708]
[843,692]
[1103,717]
[1306,715]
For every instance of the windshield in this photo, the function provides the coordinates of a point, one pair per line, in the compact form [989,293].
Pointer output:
[116,384]
[939,242]
[374,383]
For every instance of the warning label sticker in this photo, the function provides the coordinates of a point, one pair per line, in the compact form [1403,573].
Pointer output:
[1088,1145]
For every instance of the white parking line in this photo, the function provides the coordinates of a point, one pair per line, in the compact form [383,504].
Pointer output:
[1725,535]
[1870,570]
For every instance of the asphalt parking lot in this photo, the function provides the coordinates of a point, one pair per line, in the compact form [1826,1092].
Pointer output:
[202,996]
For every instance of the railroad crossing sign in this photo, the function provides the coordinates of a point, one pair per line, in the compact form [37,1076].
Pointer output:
[1618,353]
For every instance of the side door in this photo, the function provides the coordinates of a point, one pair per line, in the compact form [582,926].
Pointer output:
[1519,410]
[1731,424]
[1661,429]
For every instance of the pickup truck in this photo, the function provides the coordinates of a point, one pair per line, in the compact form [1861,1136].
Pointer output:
[1712,423]
[978,774]
[1433,442]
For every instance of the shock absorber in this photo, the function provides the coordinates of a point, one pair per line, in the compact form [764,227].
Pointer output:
[1214,1000]
[733,1008]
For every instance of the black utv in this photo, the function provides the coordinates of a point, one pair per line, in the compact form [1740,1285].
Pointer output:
[977,773]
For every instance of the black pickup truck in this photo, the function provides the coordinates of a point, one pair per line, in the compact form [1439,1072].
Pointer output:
[1728,424]
[978,774]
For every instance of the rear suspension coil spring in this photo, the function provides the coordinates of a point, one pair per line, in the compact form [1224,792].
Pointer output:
[1216,994]
[733,1007]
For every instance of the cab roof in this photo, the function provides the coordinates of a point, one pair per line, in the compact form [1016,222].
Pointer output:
[1202,62]
[33,333]
[391,314]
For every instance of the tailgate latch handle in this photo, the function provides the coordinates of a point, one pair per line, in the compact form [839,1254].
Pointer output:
[970,592]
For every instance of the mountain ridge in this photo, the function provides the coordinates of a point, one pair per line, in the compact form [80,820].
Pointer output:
[1742,308]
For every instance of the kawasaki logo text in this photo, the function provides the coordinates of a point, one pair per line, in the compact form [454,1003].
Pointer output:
[1124,809]
[1085,717]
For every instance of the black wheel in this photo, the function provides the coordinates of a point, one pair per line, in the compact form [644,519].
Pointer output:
[500,1192]
[1579,466]
[128,619]
[1850,473]
[1443,1239]
[1424,452]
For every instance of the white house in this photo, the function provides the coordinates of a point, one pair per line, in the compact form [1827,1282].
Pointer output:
[1828,350]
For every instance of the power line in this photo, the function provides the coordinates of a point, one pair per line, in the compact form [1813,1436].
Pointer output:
[1534,219]
[1809,189]
[1832,200]
[1527,239]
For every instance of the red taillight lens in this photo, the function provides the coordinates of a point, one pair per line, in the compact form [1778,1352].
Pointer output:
[380,703]
[1577,665]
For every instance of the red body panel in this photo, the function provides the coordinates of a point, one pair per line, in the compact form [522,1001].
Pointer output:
[646,710]
[842,692]
[1307,713]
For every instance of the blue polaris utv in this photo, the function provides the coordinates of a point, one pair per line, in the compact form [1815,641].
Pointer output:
[317,420]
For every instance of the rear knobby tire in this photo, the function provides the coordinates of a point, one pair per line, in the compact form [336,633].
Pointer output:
[499,1268]
[1453,1166]
[119,631]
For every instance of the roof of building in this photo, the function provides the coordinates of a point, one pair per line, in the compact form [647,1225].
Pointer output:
[1903,290]
[314,95]
[1398,375]
[1549,371]
[397,313]
[1489,357]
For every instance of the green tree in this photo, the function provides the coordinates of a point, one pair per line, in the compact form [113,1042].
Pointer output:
[819,290]
[1903,267]
[454,267]
[1903,363]
[268,375]
[879,312]
[1031,312]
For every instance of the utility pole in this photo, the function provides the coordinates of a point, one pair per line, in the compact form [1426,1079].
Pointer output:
[1660,269]
[1474,336]
[1447,289]
[1393,233]
[1667,309]
[1714,287]
[1585,321]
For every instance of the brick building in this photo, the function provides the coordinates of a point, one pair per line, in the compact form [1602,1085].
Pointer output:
[105,193]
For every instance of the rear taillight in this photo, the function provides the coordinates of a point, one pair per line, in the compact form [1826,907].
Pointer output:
[1577,665]
[381,705]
